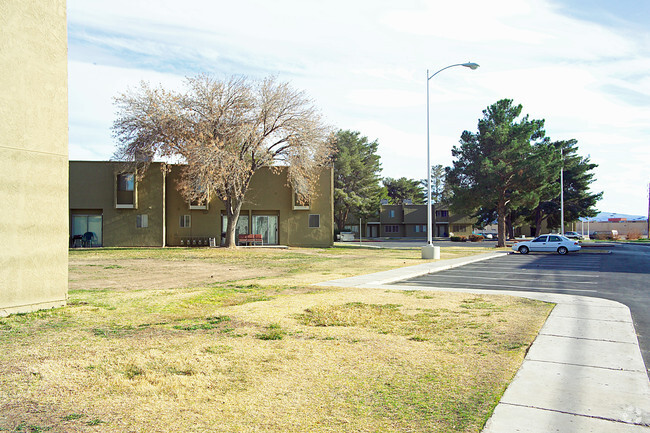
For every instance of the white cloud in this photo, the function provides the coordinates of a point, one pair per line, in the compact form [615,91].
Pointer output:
[364,64]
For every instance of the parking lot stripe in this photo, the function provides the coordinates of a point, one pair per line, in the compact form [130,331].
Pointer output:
[519,269]
[503,286]
[437,277]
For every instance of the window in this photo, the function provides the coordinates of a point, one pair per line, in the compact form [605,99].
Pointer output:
[86,230]
[442,213]
[391,229]
[195,204]
[125,191]
[419,229]
[459,228]
[391,213]
[299,204]
[142,221]
[314,221]
[185,221]
[540,239]
[554,239]
[125,182]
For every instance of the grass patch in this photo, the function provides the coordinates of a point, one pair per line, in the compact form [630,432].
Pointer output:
[214,340]
[273,332]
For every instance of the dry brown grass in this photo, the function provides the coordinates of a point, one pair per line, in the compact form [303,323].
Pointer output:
[268,353]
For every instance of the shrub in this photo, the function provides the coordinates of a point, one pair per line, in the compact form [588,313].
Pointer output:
[475,238]
[455,238]
[633,235]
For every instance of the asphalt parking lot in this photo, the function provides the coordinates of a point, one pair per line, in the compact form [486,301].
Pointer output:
[621,274]
[574,274]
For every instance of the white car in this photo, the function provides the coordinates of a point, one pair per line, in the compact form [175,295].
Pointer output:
[547,243]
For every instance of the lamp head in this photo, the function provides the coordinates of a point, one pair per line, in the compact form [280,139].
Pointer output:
[472,66]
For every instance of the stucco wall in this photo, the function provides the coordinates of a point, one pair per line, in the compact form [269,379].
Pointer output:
[33,155]
[92,188]
[268,194]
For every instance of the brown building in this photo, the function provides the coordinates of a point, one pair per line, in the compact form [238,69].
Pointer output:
[33,155]
[109,206]
[410,221]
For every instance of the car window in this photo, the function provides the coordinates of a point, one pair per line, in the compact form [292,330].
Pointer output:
[540,239]
[554,239]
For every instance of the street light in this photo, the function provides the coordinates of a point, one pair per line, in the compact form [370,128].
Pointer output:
[428,250]
[562,192]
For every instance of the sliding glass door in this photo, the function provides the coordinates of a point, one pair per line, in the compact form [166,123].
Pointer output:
[267,226]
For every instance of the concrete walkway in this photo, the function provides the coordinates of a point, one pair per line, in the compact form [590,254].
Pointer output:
[583,373]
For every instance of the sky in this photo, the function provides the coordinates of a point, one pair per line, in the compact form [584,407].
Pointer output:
[581,65]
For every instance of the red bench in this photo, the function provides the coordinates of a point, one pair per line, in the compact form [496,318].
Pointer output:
[250,239]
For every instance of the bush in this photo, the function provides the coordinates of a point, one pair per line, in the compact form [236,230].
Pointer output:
[475,238]
[633,235]
[458,239]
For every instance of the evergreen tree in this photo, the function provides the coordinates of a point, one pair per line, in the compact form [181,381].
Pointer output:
[578,200]
[356,177]
[502,167]
[439,188]
[402,189]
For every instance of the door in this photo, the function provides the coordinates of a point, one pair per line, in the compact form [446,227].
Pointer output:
[267,226]
[88,228]
[539,244]
[240,229]
[553,243]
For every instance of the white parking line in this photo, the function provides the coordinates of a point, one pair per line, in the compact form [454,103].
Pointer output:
[531,266]
[440,276]
[519,269]
[515,287]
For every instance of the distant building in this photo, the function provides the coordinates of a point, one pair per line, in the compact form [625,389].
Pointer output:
[33,155]
[410,221]
[110,207]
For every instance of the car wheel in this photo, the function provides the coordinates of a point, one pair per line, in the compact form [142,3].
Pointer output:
[562,250]
[523,249]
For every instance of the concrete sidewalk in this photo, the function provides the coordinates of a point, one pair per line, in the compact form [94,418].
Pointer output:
[583,373]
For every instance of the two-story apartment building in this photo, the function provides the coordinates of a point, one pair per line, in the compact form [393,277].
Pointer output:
[111,206]
[410,221]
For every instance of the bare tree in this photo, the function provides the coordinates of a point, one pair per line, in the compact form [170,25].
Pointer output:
[225,131]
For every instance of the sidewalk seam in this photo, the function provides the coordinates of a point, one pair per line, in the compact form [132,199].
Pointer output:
[585,365]
[577,414]
[585,338]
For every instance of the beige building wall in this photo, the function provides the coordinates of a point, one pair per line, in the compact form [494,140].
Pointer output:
[33,155]
[622,227]
[93,192]
[268,195]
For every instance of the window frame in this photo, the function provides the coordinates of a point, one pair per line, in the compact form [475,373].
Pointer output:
[142,221]
[117,190]
[185,221]
[295,205]
[309,221]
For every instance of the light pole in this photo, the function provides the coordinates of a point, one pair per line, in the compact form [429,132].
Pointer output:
[562,192]
[428,250]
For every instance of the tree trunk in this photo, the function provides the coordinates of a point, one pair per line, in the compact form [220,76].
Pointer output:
[341,218]
[233,217]
[538,221]
[501,224]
